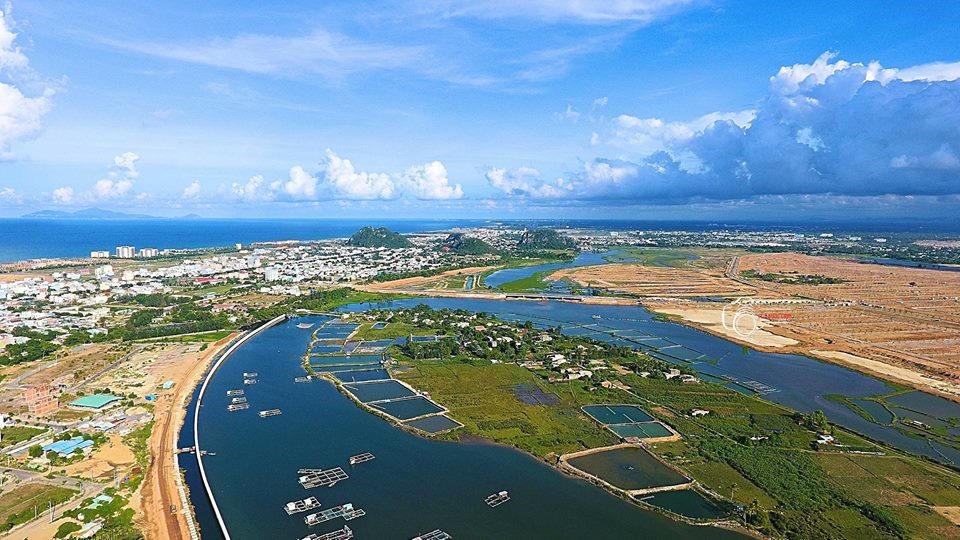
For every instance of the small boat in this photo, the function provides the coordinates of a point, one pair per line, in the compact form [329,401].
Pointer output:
[597,317]
[248,382]
[249,374]
[305,326]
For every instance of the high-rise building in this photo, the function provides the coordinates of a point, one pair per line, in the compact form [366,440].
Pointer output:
[126,252]
[148,252]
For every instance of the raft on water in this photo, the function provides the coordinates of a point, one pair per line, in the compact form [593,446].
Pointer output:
[361,458]
[248,382]
[295,507]
[238,407]
[303,379]
[249,374]
[312,478]
[435,534]
[343,534]
[269,412]
[234,392]
[497,499]
[346,511]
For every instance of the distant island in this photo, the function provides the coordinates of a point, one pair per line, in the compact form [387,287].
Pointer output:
[96,213]
[379,237]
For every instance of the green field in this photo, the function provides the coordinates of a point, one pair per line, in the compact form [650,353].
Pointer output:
[481,398]
[17,505]
[17,434]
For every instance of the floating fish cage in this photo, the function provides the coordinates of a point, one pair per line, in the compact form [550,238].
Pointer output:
[435,534]
[311,478]
[497,499]
[343,534]
[345,511]
[296,507]
[361,458]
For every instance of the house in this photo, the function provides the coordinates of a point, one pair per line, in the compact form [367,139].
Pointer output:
[674,372]
[699,412]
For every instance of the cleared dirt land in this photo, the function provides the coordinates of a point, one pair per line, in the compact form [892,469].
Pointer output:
[902,324]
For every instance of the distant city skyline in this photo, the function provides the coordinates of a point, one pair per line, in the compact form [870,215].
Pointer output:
[659,109]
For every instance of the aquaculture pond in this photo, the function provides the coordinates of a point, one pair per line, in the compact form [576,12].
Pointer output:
[628,468]
[796,381]
[413,486]
[687,503]
[378,390]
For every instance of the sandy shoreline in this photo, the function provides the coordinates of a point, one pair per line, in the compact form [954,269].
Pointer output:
[159,494]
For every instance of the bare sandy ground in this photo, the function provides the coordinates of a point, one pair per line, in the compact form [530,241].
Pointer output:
[710,319]
[159,492]
[409,282]
[113,456]
[952,513]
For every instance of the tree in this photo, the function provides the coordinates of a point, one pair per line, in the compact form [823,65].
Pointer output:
[35,451]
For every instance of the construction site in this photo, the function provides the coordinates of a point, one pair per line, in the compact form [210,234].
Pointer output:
[901,324]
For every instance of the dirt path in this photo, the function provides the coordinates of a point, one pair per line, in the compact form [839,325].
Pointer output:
[161,511]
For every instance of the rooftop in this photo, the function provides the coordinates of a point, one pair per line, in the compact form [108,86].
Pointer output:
[95,401]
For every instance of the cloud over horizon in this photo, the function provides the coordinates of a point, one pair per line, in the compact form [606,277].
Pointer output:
[829,127]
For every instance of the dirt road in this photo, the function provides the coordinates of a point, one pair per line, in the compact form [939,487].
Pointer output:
[161,509]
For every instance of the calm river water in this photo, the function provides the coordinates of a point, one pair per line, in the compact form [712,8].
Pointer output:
[417,485]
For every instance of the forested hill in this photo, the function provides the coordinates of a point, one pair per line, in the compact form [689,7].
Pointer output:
[378,237]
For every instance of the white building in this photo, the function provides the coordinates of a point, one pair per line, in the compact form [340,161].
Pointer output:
[271,274]
[100,254]
[125,252]
[148,252]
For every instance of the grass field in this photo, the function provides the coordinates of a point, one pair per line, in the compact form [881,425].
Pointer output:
[17,506]
[532,283]
[482,399]
[203,337]
[17,434]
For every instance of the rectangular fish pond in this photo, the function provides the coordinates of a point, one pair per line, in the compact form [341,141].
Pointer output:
[362,375]
[345,359]
[616,414]
[406,409]
[687,503]
[628,468]
[434,424]
[323,348]
[642,430]
[379,390]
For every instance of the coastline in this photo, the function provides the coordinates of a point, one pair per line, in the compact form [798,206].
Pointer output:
[162,483]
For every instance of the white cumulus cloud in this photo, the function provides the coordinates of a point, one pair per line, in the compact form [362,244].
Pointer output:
[20,114]
[429,182]
[249,191]
[63,195]
[120,178]
[192,191]
[340,176]
[847,129]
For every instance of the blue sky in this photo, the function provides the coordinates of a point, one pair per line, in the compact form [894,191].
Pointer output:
[639,108]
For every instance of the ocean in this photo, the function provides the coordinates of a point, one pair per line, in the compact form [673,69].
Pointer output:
[23,239]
